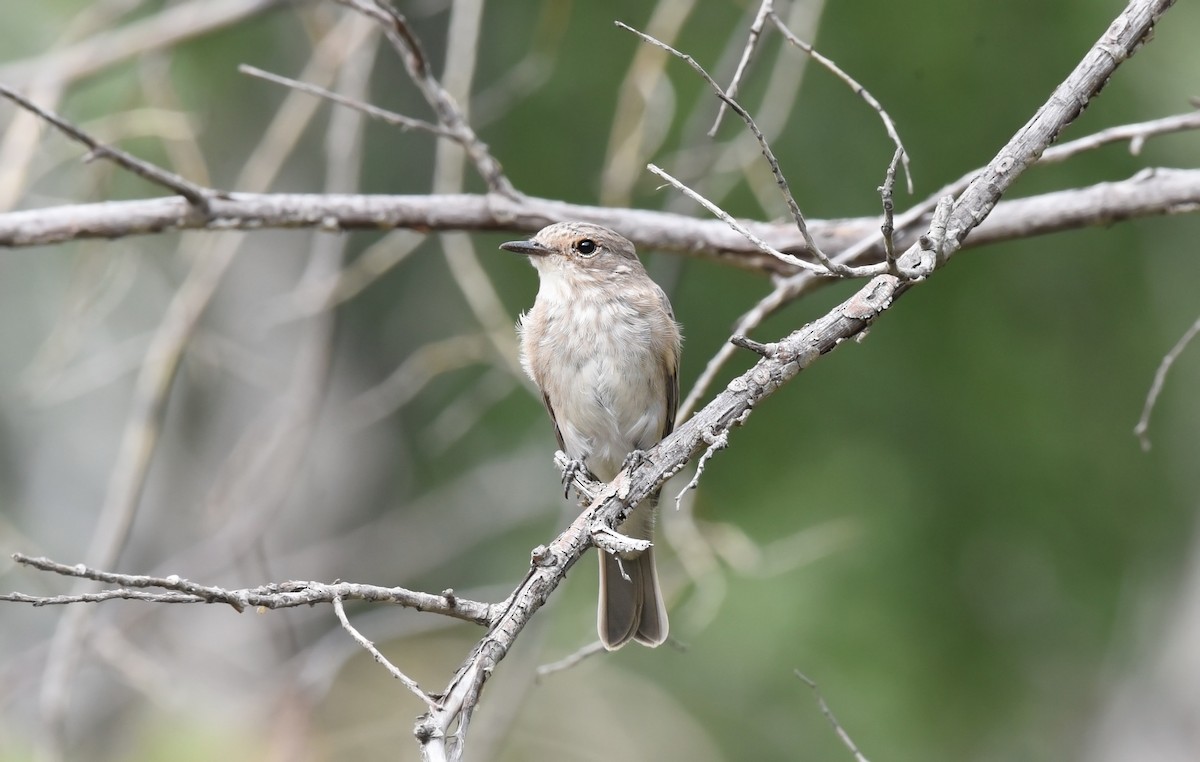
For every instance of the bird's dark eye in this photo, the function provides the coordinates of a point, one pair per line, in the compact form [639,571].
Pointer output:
[586,247]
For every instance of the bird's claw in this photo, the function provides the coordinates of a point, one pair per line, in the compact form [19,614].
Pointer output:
[634,459]
[570,471]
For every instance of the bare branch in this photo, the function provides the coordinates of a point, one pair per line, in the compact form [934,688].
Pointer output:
[361,639]
[1136,134]
[1123,37]
[847,741]
[780,180]
[739,227]
[383,115]
[715,443]
[565,663]
[195,194]
[272,596]
[858,89]
[1141,430]
[1100,204]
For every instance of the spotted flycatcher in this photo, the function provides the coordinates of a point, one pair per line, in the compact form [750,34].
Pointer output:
[602,345]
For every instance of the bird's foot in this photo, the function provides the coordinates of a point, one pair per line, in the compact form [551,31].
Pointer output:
[570,471]
[634,459]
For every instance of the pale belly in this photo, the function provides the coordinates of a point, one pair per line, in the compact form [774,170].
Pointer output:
[609,408]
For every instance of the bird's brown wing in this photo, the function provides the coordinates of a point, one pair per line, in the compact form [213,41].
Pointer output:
[554,420]
[672,374]
[672,401]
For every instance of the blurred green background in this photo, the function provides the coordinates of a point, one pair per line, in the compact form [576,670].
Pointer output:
[949,527]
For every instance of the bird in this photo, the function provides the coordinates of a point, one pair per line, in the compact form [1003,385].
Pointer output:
[602,346]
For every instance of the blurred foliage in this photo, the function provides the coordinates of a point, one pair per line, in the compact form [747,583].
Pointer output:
[1012,553]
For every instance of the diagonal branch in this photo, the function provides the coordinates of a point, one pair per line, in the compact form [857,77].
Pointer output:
[340,609]
[450,116]
[780,180]
[613,502]
[195,194]
[1123,37]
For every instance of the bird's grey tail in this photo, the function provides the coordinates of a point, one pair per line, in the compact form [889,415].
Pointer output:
[633,608]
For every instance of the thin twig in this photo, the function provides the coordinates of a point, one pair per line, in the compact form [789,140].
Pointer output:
[888,228]
[739,227]
[197,195]
[1136,133]
[758,348]
[1141,430]
[274,595]
[280,595]
[760,20]
[715,443]
[858,89]
[837,726]
[395,672]
[383,115]
[570,660]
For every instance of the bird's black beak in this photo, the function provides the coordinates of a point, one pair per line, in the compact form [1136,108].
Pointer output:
[528,248]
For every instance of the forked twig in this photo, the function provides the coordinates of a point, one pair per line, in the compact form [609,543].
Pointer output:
[281,595]
[395,672]
[859,90]
[197,195]
[801,225]
[739,227]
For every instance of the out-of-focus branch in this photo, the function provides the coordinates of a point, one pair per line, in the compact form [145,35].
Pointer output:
[210,258]
[766,8]
[449,114]
[164,30]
